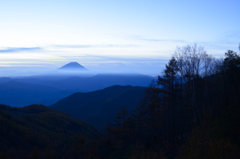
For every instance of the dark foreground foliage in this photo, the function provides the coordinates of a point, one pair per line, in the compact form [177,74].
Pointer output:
[192,111]
[37,131]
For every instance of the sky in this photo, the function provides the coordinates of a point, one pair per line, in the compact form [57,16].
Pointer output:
[135,35]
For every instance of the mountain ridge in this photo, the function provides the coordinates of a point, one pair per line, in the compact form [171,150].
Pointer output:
[100,107]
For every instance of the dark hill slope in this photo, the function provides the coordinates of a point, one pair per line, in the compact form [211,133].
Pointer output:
[100,107]
[22,129]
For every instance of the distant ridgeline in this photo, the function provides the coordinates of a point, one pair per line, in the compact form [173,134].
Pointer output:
[47,90]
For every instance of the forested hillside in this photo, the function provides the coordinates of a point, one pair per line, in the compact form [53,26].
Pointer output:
[192,111]
[37,131]
[100,107]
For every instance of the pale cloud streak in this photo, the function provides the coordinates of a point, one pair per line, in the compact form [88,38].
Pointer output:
[157,39]
[45,48]
[96,46]
[19,49]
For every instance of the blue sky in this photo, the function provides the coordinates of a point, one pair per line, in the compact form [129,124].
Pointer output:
[140,35]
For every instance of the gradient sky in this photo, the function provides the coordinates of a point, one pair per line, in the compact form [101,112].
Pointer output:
[140,35]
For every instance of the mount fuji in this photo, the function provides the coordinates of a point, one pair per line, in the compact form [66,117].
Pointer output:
[72,66]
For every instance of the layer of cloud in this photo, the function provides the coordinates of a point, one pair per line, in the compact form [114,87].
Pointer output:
[28,49]
[165,40]
[99,59]
[19,49]
[158,40]
[96,46]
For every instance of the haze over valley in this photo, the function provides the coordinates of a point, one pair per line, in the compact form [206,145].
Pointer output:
[49,88]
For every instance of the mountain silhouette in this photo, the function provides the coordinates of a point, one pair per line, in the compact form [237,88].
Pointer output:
[73,66]
[100,107]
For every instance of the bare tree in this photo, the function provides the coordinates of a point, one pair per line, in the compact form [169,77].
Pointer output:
[193,63]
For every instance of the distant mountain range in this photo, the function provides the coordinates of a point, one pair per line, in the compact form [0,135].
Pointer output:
[100,107]
[19,94]
[47,90]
